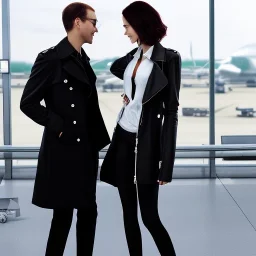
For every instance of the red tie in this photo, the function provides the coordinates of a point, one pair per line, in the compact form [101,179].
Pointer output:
[134,74]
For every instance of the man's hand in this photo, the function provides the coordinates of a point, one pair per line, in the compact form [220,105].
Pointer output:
[60,134]
[162,182]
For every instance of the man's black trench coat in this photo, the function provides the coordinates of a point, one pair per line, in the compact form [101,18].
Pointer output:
[67,165]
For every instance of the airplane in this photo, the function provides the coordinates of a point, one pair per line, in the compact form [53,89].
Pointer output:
[112,84]
[240,67]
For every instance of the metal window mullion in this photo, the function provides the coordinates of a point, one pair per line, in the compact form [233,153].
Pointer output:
[6,84]
[212,88]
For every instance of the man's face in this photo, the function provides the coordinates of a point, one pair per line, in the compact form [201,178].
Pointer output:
[88,27]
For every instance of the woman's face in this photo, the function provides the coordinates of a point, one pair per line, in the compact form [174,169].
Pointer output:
[130,32]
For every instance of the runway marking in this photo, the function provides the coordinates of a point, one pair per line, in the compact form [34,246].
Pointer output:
[222,108]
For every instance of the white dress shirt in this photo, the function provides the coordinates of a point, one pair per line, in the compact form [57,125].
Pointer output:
[131,114]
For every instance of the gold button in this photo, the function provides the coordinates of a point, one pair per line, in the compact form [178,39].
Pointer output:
[78,140]
[74,122]
[70,88]
[65,81]
[72,105]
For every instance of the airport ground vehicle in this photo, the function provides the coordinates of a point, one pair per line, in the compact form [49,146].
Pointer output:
[9,207]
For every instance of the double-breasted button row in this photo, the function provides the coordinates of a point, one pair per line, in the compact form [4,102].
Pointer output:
[66,81]
[72,105]
[70,88]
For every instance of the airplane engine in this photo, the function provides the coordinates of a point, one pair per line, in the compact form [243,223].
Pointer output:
[229,70]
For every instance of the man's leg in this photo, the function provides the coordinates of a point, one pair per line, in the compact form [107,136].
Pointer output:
[61,223]
[85,229]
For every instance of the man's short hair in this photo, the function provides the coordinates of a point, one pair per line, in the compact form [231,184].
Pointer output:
[73,11]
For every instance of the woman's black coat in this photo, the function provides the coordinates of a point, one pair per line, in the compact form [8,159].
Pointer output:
[67,165]
[159,118]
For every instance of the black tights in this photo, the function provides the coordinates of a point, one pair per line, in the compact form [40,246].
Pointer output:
[85,231]
[148,200]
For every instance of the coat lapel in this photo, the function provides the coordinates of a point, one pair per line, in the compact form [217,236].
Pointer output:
[156,82]
[157,79]
[75,70]
[70,64]
[91,73]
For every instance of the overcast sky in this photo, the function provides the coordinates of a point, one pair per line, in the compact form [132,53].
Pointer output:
[36,25]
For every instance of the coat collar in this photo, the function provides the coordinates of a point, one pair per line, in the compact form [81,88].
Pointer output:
[158,53]
[67,53]
[148,54]
[65,49]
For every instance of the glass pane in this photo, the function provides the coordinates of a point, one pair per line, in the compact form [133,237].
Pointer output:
[236,55]
[34,35]
[1,98]
[193,47]
[43,29]
[1,82]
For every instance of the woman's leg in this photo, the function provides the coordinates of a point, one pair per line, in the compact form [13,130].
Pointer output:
[61,223]
[128,197]
[148,199]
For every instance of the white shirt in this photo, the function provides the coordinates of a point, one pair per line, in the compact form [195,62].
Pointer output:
[131,115]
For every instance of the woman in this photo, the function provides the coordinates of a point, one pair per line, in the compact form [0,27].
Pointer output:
[141,154]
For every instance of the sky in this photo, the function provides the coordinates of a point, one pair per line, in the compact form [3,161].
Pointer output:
[36,25]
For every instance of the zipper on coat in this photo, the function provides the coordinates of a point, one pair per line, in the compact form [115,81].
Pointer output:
[136,153]
[136,146]
[135,177]
[121,114]
[141,116]
[137,135]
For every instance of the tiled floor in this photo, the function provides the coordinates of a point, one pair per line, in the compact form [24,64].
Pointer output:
[203,217]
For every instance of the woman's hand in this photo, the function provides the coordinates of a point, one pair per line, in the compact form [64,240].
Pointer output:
[125,99]
[60,134]
[162,182]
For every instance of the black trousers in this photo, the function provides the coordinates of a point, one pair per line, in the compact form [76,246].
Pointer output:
[145,194]
[85,231]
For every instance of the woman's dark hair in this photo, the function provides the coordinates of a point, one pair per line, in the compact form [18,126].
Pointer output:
[146,21]
[73,11]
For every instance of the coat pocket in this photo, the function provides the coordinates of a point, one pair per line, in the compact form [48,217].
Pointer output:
[71,135]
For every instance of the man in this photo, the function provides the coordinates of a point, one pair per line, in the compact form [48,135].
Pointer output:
[74,131]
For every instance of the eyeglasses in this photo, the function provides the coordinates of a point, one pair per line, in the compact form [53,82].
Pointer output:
[94,23]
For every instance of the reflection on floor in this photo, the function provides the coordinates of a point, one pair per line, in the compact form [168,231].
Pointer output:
[203,217]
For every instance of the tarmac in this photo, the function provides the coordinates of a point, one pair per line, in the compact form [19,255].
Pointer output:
[191,130]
